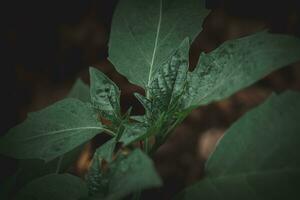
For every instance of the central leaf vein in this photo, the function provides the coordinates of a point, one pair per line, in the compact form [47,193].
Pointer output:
[155,44]
[63,130]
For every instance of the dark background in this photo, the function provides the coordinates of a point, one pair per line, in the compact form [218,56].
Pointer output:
[46,45]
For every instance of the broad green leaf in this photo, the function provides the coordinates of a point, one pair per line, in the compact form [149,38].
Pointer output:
[258,157]
[144,34]
[272,128]
[80,91]
[54,187]
[125,175]
[239,63]
[31,169]
[51,132]
[105,95]
[268,185]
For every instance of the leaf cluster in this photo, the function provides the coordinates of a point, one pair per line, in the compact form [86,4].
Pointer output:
[149,44]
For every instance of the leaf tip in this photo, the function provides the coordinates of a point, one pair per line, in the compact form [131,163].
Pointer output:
[92,70]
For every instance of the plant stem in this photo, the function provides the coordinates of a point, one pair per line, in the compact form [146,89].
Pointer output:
[146,140]
[60,159]
[109,132]
[147,147]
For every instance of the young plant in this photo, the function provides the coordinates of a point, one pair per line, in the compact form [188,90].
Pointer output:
[149,44]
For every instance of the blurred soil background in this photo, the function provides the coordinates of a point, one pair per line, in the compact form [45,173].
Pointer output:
[45,46]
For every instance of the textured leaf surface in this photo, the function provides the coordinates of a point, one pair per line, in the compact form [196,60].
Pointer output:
[144,33]
[164,100]
[80,91]
[170,81]
[105,95]
[258,157]
[239,63]
[54,187]
[52,131]
[96,181]
[125,175]
[168,86]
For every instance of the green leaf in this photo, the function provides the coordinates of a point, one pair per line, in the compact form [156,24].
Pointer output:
[54,187]
[96,181]
[168,85]
[165,94]
[239,63]
[30,169]
[268,185]
[144,34]
[170,81]
[105,95]
[258,157]
[105,152]
[139,118]
[133,132]
[51,132]
[80,91]
[125,175]
[147,104]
